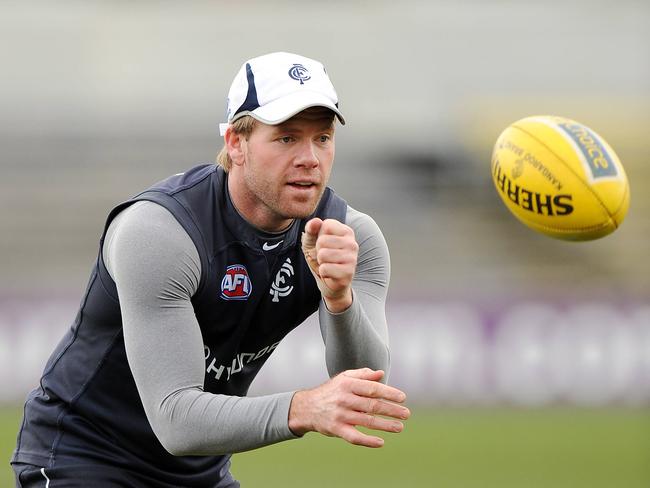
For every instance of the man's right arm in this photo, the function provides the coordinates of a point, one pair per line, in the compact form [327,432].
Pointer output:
[156,268]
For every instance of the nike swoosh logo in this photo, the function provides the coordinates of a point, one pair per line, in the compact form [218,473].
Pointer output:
[267,247]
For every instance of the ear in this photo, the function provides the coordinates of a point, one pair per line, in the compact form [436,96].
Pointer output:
[234,146]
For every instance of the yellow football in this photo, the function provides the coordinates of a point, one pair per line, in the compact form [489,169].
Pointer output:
[560,178]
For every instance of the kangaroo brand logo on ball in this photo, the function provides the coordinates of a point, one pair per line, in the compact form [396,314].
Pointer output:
[518,169]
[236,285]
[596,156]
[299,73]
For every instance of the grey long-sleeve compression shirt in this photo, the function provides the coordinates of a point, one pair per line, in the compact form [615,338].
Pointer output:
[156,268]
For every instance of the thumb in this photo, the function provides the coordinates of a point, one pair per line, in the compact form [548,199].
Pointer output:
[308,242]
[312,227]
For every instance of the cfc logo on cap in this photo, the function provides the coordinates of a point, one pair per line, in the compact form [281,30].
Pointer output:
[299,73]
[236,285]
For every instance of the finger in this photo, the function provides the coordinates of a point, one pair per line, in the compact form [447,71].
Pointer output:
[364,374]
[334,227]
[373,422]
[326,241]
[373,389]
[376,406]
[336,256]
[336,271]
[353,436]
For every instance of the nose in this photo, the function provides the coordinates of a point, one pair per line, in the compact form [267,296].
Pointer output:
[306,156]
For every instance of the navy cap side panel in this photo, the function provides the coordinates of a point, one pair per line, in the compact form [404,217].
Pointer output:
[251,102]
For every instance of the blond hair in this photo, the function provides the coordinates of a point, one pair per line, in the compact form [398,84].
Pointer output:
[244,127]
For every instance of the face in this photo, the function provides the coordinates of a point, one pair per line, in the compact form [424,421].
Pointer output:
[280,172]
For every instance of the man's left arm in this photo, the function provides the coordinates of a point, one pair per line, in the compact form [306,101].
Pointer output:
[353,278]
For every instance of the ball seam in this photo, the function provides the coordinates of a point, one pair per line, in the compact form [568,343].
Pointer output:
[620,206]
[571,229]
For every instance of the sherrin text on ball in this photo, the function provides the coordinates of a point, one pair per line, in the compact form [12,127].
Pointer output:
[560,178]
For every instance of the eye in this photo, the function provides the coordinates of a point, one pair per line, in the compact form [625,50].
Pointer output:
[323,138]
[285,139]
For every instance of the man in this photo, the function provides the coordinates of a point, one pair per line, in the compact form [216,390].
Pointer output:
[197,281]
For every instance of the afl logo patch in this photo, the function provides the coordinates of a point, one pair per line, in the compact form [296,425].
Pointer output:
[299,73]
[236,285]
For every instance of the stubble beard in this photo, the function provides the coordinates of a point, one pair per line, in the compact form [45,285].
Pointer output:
[273,200]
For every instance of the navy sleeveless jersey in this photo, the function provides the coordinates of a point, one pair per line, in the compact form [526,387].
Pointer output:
[87,406]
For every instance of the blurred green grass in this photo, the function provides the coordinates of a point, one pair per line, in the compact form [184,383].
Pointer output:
[554,448]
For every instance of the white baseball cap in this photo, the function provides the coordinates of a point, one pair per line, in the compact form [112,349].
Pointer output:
[275,87]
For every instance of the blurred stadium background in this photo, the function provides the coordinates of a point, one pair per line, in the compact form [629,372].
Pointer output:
[527,360]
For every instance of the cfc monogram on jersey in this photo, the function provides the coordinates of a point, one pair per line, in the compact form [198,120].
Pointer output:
[281,286]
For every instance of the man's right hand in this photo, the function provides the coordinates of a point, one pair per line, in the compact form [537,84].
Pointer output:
[352,398]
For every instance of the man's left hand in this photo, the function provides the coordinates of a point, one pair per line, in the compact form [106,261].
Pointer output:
[331,252]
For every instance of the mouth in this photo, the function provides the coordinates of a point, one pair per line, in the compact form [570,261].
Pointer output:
[303,184]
